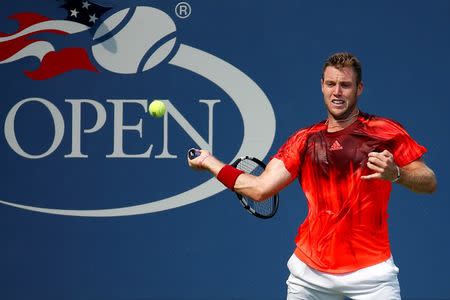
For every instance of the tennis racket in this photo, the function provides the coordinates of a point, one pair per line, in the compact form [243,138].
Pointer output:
[262,209]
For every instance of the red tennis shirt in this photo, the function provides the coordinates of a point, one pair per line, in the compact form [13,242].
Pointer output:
[346,227]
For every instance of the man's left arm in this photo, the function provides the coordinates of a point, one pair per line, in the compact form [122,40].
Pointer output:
[416,176]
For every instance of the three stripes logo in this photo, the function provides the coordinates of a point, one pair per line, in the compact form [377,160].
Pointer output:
[336,146]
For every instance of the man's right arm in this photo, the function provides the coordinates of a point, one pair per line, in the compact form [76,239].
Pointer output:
[274,178]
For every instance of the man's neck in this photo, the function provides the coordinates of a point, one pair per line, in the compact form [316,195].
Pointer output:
[339,124]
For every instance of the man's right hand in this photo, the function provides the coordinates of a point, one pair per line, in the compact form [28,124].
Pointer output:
[198,162]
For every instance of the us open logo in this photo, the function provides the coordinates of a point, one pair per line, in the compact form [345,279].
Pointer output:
[132,42]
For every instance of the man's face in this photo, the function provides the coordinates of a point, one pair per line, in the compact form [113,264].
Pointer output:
[340,91]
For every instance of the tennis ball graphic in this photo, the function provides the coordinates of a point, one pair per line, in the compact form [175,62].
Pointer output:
[157,109]
[132,41]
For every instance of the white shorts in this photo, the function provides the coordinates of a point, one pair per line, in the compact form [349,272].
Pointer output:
[375,282]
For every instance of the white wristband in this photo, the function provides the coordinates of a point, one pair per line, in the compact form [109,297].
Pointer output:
[398,174]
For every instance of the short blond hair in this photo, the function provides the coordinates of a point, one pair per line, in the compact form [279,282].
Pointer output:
[344,59]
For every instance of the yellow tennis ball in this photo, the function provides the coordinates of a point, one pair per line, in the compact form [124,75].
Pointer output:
[157,109]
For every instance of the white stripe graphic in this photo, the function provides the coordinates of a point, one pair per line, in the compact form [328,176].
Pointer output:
[69,27]
[38,49]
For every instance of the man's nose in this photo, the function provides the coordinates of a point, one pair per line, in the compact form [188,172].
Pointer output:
[337,90]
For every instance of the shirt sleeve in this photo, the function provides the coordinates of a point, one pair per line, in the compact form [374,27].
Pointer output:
[292,151]
[405,148]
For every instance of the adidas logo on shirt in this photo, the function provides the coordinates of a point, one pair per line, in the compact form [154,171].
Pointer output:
[336,146]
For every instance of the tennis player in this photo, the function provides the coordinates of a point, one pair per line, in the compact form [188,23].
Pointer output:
[346,166]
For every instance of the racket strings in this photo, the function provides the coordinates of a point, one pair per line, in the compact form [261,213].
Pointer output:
[251,167]
[264,208]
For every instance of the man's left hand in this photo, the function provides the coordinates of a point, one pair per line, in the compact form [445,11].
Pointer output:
[383,164]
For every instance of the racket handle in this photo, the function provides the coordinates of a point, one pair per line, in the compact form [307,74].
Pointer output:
[193,153]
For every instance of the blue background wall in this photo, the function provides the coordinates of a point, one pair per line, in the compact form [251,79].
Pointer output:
[213,249]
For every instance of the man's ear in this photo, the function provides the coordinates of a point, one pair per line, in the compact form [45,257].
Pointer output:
[360,89]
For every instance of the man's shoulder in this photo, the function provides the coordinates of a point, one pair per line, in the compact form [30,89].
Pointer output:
[385,125]
[322,125]
[376,121]
[302,134]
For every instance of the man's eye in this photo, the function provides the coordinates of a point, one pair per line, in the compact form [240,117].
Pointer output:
[330,84]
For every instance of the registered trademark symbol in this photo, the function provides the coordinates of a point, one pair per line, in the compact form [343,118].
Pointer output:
[183,10]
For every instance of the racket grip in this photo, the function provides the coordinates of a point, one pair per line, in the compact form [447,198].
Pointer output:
[193,153]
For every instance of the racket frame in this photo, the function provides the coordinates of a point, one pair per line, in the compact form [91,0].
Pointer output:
[244,203]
